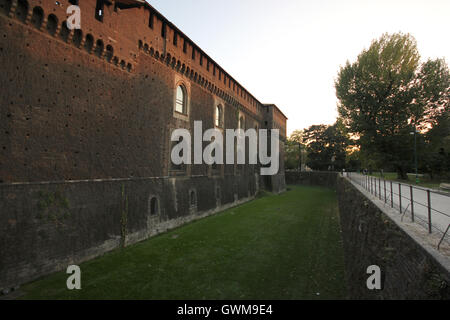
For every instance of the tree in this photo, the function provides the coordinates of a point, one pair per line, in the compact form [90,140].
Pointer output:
[297,136]
[436,156]
[326,146]
[294,150]
[385,94]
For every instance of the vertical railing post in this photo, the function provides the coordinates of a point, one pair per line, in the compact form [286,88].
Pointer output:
[400,196]
[430,230]
[379,187]
[412,202]
[392,196]
[385,199]
[375,186]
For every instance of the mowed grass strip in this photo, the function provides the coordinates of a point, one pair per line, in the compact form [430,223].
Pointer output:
[278,247]
[424,181]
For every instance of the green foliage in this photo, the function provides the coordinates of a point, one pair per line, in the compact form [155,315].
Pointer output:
[326,147]
[297,136]
[385,94]
[292,155]
[353,161]
[263,193]
[436,155]
[295,153]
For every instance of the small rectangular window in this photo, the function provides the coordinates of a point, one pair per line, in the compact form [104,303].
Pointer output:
[175,39]
[184,46]
[163,30]
[150,20]
[99,10]
[193,53]
[201,60]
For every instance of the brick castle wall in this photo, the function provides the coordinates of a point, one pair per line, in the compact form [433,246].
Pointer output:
[85,124]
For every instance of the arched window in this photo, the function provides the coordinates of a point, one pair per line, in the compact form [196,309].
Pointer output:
[22,10]
[219,116]
[180,102]
[154,206]
[89,43]
[77,37]
[109,53]
[37,17]
[52,24]
[99,48]
[193,198]
[65,31]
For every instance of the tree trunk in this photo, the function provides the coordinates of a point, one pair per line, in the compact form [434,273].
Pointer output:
[401,173]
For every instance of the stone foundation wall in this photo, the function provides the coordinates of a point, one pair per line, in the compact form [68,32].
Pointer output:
[322,179]
[45,227]
[411,269]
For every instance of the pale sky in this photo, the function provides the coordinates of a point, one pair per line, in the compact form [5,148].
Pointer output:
[288,52]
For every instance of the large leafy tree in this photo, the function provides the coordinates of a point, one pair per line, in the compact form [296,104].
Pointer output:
[326,146]
[386,93]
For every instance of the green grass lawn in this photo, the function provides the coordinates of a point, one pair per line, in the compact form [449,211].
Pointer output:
[277,247]
[423,181]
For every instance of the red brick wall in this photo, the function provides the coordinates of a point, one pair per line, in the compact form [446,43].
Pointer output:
[69,114]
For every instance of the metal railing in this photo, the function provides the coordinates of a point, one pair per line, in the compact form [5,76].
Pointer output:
[426,207]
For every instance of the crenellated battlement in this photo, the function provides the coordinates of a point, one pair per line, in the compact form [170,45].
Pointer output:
[50,17]
[126,29]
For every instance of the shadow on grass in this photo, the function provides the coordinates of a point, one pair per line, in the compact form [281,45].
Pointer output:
[277,247]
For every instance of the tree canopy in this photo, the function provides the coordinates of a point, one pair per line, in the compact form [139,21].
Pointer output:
[386,93]
[326,146]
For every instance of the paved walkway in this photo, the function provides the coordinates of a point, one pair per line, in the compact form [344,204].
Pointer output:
[401,194]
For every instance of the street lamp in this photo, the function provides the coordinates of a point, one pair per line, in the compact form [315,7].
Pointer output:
[415,151]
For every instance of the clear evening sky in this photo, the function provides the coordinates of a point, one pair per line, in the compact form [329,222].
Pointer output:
[288,52]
